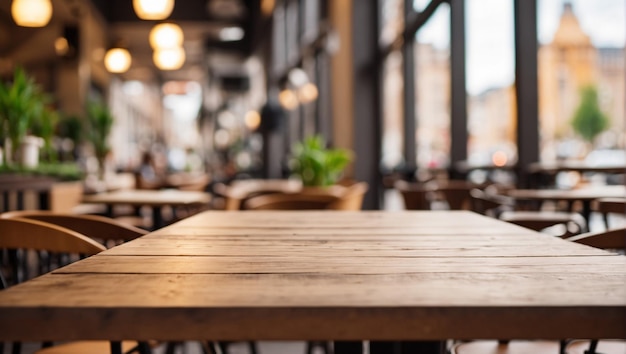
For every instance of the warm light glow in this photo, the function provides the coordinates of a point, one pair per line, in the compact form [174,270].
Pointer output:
[231,34]
[267,7]
[153,9]
[169,59]
[31,13]
[166,36]
[499,158]
[253,120]
[288,99]
[117,60]
[298,77]
[308,93]
[61,47]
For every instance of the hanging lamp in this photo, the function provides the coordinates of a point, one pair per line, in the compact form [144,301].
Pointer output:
[169,59]
[165,36]
[153,9]
[117,60]
[31,13]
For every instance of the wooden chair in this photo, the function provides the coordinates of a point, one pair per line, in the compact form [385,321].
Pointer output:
[105,230]
[503,208]
[413,194]
[351,197]
[609,240]
[238,192]
[455,192]
[33,235]
[292,201]
[607,206]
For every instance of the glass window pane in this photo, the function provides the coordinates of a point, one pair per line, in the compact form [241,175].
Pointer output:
[310,11]
[490,66]
[581,67]
[279,47]
[432,90]
[392,20]
[393,113]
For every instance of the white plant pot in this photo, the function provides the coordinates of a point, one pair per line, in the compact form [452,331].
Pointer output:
[29,151]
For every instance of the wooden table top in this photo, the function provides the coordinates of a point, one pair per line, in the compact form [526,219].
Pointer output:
[305,275]
[582,193]
[141,197]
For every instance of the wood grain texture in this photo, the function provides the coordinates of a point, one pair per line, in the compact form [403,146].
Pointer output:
[343,265]
[328,275]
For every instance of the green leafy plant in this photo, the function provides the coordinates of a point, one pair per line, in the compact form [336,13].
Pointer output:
[45,126]
[317,165]
[21,102]
[98,127]
[589,120]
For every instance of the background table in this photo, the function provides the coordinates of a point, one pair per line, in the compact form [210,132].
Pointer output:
[156,199]
[329,275]
[585,195]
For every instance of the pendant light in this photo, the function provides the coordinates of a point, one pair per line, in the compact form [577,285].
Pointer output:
[165,36]
[169,59]
[153,9]
[31,13]
[117,60]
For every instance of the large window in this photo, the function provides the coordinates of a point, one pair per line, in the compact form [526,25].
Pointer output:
[393,114]
[432,89]
[581,66]
[490,82]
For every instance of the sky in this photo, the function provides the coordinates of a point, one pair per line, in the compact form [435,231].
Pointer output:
[489,41]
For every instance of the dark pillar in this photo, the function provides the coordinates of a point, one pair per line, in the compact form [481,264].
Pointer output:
[458,118]
[526,87]
[410,146]
[366,123]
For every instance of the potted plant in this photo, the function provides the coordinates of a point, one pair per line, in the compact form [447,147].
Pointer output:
[21,102]
[98,127]
[317,165]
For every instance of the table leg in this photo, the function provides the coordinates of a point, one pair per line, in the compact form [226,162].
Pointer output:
[157,218]
[407,347]
[587,212]
[116,347]
[344,347]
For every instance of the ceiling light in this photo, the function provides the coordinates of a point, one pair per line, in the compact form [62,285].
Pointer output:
[61,46]
[153,9]
[267,7]
[308,93]
[169,59]
[31,13]
[252,120]
[117,60]
[166,35]
[288,99]
[231,34]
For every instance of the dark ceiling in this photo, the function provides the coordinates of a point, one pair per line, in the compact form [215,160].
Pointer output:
[213,14]
[201,21]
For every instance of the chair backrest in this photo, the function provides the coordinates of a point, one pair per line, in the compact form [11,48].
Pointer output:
[239,191]
[291,201]
[18,236]
[489,204]
[413,194]
[96,227]
[351,198]
[610,240]
[19,233]
[455,192]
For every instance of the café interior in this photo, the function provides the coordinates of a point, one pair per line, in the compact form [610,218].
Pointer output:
[129,120]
